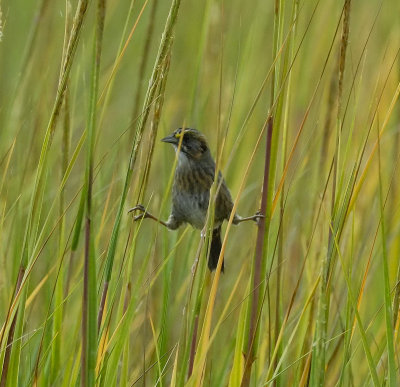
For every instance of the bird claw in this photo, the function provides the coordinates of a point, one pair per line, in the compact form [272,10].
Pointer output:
[141,208]
[257,216]
[138,207]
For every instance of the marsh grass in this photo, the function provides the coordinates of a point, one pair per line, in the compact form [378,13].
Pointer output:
[299,101]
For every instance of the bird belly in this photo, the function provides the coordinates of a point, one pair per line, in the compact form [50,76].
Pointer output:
[191,207]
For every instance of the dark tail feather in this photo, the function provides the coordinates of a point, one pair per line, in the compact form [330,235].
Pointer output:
[215,250]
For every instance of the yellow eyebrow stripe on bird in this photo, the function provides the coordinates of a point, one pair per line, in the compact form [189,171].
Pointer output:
[179,134]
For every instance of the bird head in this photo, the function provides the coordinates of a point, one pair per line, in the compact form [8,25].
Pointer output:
[193,143]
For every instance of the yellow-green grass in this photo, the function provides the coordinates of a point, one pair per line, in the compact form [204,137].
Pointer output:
[299,101]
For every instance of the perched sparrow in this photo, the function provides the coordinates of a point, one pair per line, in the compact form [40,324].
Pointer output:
[193,178]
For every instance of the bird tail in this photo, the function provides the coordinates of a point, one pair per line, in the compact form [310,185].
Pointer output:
[215,250]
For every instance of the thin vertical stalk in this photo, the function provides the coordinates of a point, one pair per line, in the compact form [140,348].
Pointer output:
[395,195]
[288,58]
[199,281]
[65,145]
[261,255]
[318,358]
[262,227]
[59,297]
[7,355]
[388,306]
[167,272]
[89,301]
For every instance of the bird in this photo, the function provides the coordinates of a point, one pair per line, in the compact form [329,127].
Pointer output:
[193,178]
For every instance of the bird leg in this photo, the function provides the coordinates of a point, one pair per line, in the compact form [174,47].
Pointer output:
[172,223]
[239,219]
[144,214]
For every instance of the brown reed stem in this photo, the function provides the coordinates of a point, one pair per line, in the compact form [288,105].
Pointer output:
[250,356]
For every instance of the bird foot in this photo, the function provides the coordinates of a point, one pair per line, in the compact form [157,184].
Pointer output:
[143,215]
[138,207]
[257,216]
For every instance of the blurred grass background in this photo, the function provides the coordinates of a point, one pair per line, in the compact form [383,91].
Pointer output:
[221,53]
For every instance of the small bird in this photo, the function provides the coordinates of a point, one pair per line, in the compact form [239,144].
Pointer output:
[193,178]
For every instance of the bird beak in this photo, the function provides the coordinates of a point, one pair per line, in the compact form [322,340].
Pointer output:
[170,139]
